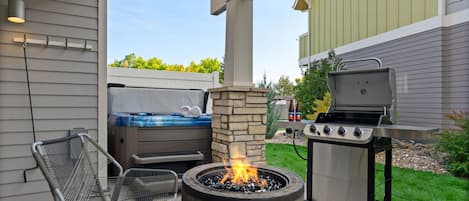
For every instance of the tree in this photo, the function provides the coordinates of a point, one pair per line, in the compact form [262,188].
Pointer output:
[313,85]
[210,65]
[156,63]
[207,65]
[140,63]
[195,68]
[272,113]
[116,63]
[130,60]
[284,86]
[221,74]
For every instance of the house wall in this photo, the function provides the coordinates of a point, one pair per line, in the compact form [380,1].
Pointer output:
[453,6]
[335,23]
[432,73]
[64,86]
[455,70]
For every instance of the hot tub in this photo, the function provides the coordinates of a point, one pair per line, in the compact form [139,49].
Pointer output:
[153,140]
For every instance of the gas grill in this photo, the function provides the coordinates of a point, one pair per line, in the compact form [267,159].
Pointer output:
[360,123]
[343,140]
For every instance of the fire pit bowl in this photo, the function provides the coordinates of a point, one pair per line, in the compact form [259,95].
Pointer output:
[288,186]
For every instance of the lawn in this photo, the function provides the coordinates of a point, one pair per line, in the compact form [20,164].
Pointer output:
[407,184]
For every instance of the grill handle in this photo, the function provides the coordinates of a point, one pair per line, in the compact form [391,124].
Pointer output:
[341,64]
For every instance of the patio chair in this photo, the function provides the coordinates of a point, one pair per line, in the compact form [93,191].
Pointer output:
[70,166]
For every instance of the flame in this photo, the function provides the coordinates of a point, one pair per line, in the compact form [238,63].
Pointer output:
[240,171]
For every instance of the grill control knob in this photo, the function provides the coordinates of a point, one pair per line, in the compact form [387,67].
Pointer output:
[312,129]
[357,132]
[326,129]
[341,130]
[289,130]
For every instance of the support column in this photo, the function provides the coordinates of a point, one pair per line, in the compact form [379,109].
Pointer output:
[238,43]
[239,123]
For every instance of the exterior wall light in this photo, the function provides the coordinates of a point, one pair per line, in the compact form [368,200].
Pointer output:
[16,11]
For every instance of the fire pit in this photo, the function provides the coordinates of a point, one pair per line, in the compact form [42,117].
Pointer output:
[240,181]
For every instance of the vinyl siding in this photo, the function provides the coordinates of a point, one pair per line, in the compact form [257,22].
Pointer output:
[432,74]
[453,6]
[334,23]
[417,60]
[456,70]
[64,87]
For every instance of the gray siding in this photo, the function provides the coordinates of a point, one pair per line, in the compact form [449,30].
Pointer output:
[455,70]
[453,6]
[417,61]
[64,86]
[432,73]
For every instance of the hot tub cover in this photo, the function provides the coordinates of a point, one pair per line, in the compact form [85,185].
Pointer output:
[145,119]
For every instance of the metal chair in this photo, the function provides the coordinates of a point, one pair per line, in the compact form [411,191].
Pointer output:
[70,166]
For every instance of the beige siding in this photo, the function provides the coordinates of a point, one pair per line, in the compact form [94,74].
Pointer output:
[64,86]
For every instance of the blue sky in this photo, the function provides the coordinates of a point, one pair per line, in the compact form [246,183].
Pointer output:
[185,31]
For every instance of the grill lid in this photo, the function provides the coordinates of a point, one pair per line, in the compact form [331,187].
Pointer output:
[363,91]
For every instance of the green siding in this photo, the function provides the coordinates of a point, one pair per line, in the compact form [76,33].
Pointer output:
[382,16]
[392,14]
[405,7]
[334,23]
[418,10]
[303,41]
[327,28]
[431,8]
[347,22]
[372,17]
[355,24]
[362,19]
[339,22]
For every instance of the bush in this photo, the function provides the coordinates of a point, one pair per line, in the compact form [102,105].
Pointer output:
[313,85]
[321,106]
[272,114]
[456,144]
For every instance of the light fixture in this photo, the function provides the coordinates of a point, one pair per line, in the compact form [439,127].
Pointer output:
[16,11]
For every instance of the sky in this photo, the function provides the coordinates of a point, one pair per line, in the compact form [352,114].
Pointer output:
[182,32]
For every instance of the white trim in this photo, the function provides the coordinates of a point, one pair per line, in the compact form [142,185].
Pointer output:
[456,18]
[425,25]
[441,7]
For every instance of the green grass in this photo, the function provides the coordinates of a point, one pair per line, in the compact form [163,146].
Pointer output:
[407,184]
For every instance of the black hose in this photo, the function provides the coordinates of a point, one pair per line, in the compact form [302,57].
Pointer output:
[294,146]
[30,106]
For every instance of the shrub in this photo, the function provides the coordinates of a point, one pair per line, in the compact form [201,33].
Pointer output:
[321,106]
[456,144]
[272,114]
[313,85]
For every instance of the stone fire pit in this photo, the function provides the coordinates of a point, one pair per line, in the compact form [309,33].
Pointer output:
[283,185]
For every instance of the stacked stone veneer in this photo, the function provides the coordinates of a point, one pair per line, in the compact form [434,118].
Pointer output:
[238,123]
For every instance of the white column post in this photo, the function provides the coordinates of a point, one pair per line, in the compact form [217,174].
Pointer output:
[238,42]
[238,53]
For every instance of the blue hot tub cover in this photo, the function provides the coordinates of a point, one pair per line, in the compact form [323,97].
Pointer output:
[144,119]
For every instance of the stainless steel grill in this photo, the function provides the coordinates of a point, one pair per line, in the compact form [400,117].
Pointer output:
[342,140]
[359,124]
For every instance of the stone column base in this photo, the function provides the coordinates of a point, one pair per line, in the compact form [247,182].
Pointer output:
[238,123]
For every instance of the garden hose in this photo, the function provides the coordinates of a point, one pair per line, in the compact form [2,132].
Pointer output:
[294,146]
